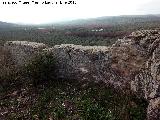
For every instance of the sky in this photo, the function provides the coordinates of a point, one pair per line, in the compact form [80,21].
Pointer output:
[40,13]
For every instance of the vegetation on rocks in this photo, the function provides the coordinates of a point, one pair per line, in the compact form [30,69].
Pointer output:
[41,68]
[64,99]
[34,93]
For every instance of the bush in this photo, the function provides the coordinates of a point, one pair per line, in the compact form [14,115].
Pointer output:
[94,111]
[41,68]
[8,71]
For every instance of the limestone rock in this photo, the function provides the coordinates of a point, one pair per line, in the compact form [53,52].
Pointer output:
[23,51]
[131,63]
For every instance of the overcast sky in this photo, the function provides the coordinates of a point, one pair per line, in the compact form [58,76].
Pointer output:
[37,14]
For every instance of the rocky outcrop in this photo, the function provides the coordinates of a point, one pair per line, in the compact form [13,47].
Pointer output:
[131,63]
[23,51]
[138,55]
[76,61]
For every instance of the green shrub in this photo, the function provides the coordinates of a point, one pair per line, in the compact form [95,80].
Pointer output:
[94,111]
[41,68]
[8,71]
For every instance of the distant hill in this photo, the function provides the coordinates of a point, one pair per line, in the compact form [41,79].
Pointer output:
[95,31]
[113,20]
[93,22]
[7,25]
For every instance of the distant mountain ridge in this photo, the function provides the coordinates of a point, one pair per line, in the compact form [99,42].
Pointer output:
[99,21]
[112,20]
[7,25]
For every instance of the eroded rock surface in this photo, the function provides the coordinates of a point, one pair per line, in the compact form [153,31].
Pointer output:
[139,55]
[23,51]
[131,63]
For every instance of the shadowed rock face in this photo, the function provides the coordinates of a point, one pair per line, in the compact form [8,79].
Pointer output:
[131,63]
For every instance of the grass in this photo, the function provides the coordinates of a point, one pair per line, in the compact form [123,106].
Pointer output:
[71,100]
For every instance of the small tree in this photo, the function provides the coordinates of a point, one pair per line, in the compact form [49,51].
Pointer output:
[41,68]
